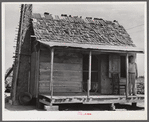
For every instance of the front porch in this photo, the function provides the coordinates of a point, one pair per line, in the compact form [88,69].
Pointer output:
[93,99]
[70,76]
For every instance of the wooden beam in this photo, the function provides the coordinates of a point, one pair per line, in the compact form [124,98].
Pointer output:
[37,73]
[51,78]
[37,78]
[89,80]
[127,80]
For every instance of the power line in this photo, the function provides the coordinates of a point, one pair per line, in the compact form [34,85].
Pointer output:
[136,31]
[134,27]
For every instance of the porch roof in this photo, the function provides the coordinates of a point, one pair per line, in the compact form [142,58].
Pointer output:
[95,47]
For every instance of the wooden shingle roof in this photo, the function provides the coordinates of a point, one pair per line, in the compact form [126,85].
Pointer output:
[78,30]
[75,30]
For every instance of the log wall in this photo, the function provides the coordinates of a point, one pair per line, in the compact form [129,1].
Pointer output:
[67,71]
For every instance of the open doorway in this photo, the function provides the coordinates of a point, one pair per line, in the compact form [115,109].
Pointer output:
[95,73]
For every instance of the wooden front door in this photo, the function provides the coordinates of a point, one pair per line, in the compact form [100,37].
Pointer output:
[106,82]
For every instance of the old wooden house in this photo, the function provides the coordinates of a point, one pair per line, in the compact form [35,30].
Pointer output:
[69,59]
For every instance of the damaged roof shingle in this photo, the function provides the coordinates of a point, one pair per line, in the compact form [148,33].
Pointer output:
[77,30]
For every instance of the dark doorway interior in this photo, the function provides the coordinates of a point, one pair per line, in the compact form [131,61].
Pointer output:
[94,73]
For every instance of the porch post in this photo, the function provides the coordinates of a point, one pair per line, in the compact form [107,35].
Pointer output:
[51,75]
[127,79]
[89,80]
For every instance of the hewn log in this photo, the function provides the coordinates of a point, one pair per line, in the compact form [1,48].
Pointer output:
[127,76]
[89,80]
[51,78]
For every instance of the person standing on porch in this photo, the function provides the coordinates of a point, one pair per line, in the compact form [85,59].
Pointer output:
[133,75]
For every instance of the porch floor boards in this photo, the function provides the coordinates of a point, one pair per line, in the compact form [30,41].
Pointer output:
[91,96]
[93,99]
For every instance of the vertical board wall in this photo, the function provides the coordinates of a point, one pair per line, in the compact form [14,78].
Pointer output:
[110,63]
[106,82]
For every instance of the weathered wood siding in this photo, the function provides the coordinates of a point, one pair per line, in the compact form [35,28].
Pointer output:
[33,68]
[67,71]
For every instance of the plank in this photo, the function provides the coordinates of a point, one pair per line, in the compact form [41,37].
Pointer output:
[67,66]
[123,80]
[42,85]
[44,47]
[63,56]
[71,60]
[37,72]
[45,65]
[127,80]
[47,83]
[110,65]
[61,66]
[33,65]
[60,89]
[67,89]
[67,53]
[51,73]
[67,56]
[114,64]
[44,92]
[57,90]
[89,80]
[44,77]
[67,79]
[122,87]
[122,83]
[67,74]
[61,78]
[47,71]
[122,90]
[45,56]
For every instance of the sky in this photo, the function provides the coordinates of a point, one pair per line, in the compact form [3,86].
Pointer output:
[131,15]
